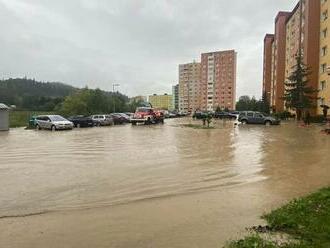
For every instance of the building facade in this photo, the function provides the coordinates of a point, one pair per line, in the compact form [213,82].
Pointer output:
[189,87]
[161,101]
[279,48]
[175,97]
[267,66]
[303,27]
[294,42]
[324,78]
[218,80]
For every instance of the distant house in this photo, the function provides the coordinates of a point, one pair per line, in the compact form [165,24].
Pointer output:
[4,117]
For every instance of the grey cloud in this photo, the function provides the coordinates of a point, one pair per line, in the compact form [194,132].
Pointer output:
[138,44]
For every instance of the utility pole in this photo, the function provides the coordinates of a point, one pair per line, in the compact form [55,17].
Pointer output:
[113,96]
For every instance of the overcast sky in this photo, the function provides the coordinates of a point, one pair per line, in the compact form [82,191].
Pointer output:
[135,43]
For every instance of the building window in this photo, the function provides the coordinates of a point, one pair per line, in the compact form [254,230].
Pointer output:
[324,33]
[323,68]
[325,15]
[323,85]
[324,51]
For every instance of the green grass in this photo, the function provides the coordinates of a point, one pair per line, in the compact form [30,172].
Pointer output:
[21,118]
[306,220]
[195,126]
[252,241]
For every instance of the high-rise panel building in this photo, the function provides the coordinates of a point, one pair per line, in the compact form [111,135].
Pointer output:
[302,36]
[175,97]
[295,32]
[324,78]
[267,66]
[189,87]
[218,80]
[278,70]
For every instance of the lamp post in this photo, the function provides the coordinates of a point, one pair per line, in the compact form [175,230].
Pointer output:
[113,96]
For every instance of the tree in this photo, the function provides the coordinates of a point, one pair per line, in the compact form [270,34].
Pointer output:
[246,103]
[263,104]
[243,103]
[299,96]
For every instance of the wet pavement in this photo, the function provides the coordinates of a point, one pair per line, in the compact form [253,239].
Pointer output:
[152,186]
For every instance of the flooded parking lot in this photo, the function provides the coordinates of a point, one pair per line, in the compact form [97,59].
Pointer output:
[151,186]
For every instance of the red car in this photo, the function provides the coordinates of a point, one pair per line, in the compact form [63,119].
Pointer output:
[147,116]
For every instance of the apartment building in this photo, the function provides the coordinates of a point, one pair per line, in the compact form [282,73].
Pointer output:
[175,97]
[324,78]
[278,63]
[189,87]
[295,32]
[218,80]
[161,101]
[267,65]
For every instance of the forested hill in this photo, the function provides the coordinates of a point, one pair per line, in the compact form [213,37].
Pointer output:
[28,87]
[30,94]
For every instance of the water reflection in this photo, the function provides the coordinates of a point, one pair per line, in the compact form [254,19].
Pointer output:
[43,171]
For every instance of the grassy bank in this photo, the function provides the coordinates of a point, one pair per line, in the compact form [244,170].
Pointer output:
[21,118]
[305,220]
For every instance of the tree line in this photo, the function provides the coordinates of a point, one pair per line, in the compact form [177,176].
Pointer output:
[247,103]
[31,95]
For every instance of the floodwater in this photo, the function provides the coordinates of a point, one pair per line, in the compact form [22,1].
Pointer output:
[152,186]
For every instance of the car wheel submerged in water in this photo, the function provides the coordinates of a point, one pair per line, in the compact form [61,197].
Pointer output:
[148,122]
[244,122]
[268,123]
[38,127]
[53,128]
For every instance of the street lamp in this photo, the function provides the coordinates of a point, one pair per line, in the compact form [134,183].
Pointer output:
[113,96]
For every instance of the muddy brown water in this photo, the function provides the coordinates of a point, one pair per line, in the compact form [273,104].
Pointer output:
[152,186]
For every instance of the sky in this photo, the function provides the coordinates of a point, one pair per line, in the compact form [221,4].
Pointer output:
[137,44]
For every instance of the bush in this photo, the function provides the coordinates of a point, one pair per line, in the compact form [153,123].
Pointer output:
[317,119]
[284,115]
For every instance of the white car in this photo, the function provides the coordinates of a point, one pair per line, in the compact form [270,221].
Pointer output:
[53,122]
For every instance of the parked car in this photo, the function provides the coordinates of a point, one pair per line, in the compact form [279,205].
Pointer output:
[199,115]
[53,122]
[251,117]
[102,120]
[147,115]
[129,114]
[125,117]
[173,115]
[118,119]
[81,121]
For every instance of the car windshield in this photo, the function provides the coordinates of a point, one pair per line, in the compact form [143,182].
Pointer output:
[56,118]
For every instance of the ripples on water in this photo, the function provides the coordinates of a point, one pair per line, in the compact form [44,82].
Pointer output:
[49,171]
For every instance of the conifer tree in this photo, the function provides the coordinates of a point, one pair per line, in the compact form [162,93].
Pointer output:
[299,95]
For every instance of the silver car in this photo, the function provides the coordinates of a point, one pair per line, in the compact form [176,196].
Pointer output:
[53,122]
[102,120]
